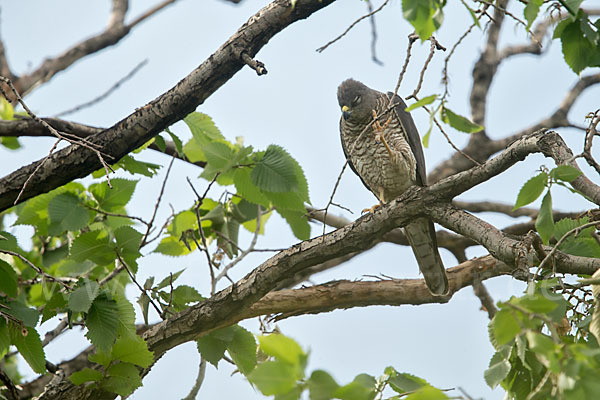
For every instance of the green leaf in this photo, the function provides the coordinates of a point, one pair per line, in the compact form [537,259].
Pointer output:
[423,102]
[133,166]
[577,50]
[144,302]
[93,246]
[171,246]
[246,189]
[183,221]
[421,15]
[472,13]
[29,316]
[176,141]
[275,172]
[193,151]
[544,223]
[531,190]
[531,11]
[29,345]
[100,357]
[242,349]
[505,327]
[321,385]
[498,370]
[134,350]
[203,128]
[67,214]
[126,316]
[537,304]
[427,393]
[123,379]
[102,322]
[459,122]
[7,112]
[403,382]
[572,5]
[212,348]
[184,294]
[159,141]
[113,199]
[169,280]
[540,343]
[361,388]
[282,348]
[8,279]
[85,375]
[565,173]
[128,243]
[273,377]
[217,154]
[298,222]
[80,300]
[4,338]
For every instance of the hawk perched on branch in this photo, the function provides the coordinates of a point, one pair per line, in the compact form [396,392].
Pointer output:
[384,150]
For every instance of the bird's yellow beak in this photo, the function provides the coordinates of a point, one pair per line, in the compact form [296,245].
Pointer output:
[345,109]
[345,112]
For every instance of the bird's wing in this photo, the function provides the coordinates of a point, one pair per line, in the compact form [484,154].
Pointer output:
[413,137]
[347,155]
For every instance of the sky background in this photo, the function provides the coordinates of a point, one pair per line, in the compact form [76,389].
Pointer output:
[295,106]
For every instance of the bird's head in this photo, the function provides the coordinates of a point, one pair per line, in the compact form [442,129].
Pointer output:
[357,101]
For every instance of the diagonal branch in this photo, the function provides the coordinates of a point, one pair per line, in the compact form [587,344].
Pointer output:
[130,133]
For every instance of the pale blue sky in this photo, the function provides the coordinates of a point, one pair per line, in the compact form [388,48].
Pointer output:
[295,106]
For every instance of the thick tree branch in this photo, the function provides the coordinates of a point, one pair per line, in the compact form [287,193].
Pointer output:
[75,162]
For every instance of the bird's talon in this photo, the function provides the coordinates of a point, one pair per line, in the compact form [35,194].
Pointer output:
[370,210]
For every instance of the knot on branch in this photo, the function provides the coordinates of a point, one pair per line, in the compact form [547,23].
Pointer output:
[256,65]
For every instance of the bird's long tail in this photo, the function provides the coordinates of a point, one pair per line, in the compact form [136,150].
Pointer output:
[421,236]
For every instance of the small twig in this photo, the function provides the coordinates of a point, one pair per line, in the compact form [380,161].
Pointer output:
[249,250]
[487,303]
[13,394]
[36,269]
[434,45]
[105,94]
[54,333]
[149,13]
[111,214]
[506,12]
[540,385]
[352,25]
[445,79]
[140,287]
[256,65]
[373,35]
[198,383]
[412,38]
[160,194]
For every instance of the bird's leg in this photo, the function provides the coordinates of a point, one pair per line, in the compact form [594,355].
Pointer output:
[376,206]
[379,131]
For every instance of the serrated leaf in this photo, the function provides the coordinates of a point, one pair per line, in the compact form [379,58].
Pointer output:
[404,382]
[273,377]
[126,316]
[113,199]
[274,172]
[123,379]
[134,350]
[459,122]
[217,154]
[498,370]
[298,222]
[93,246]
[212,348]
[531,190]
[242,349]
[80,300]
[361,388]
[159,141]
[29,316]
[565,173]
[102,322]
[321,385]
[128,242]
[193,151]
[544,223]
[185,294]
[8,279]
[203,128]
[421,15]
[67,214]
[505,327]
[30,347]
[537,304]
[423,102]
[282,348]
[246,189]
[85,375]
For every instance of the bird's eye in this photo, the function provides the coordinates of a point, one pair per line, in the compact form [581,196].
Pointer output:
[356,101]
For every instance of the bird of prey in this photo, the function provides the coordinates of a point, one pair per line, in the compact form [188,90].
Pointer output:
[384,150]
